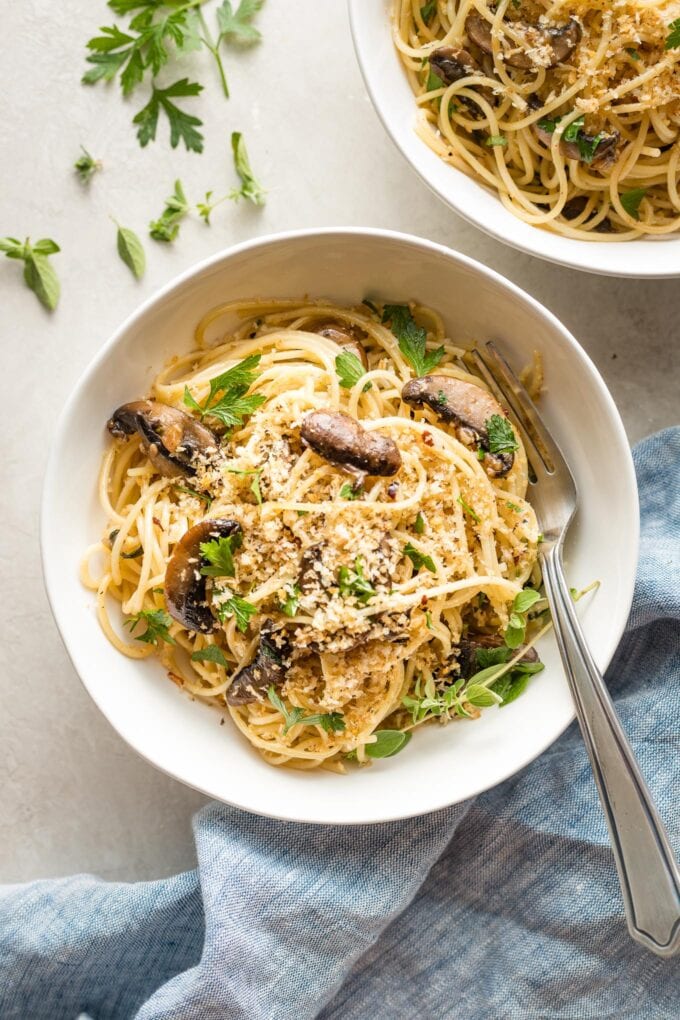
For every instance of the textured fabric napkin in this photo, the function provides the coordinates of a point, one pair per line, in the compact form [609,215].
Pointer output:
[503,907]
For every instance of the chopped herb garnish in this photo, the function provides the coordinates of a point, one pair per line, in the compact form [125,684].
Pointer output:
[418,559]
[433,82]
[86,166]
[227,400]
[157,626]
[255,484]
[467,509]
[412,339]
[514,507]
[354,582]
[632,53]
[331,722]
[166,227]
[133,555]
[211,653]
[350,370]
[239,609]
[203,496]
[290,606]
[501,438]
[220,555]
[419,525]
[428,11]
[349,491]
[673,38]
[39,275]
[494,140]
[630,200]
[372,307]
[428,619]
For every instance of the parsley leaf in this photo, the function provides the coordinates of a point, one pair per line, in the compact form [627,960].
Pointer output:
[39,274]
[86,165]
[632,53]
[419,559]
[513,506]
[501,438]
[494,140]
[630,200]
[131,251]
[467,509]
[419,525]
[157,626]
[354,582]
[348,491]
[227,400]
[239,609]
[211,653]
[236,25]
[673,38]
[220,555]
[428,11]
[412,339]
[290,606]
[250,188]
[255,484]
[182,125]
[331,722]
[166,227]
[433,81]
[350,370]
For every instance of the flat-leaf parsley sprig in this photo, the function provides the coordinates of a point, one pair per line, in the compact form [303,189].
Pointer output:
[227,402]
[159,34]
[412,339]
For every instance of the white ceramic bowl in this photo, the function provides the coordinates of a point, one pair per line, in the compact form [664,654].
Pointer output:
[441,765]
[394,102]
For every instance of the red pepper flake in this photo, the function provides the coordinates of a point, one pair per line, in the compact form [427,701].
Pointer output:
[427,439]
[158,523]
[423,600]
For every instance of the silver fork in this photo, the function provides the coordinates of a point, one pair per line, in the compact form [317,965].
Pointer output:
[649,877]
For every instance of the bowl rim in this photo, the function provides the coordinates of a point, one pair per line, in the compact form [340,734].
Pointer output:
[641,270]
[51,576]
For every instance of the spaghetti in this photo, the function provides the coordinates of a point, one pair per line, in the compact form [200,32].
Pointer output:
[322,592]
[569,110]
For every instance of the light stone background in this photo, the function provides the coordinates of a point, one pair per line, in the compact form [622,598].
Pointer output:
[73,797]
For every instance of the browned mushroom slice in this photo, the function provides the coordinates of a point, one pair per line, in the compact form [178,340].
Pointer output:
[549,45]
[346,337]
[172,439]
[341,440]
[267,669]
[598,151]
[451,63]
[185,592]
[466,653]
[465,406]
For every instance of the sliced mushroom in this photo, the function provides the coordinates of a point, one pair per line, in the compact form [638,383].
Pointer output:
[171,438]
[466,652]
[558,42]
[185,592]
[346,337]
[465,406]
[598,151]
[266,670]
[341,440]
[451,63]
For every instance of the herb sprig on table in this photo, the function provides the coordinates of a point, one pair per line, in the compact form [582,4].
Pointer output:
[39,274]
[159,34]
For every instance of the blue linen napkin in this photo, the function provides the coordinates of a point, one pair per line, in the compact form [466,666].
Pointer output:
[503,908]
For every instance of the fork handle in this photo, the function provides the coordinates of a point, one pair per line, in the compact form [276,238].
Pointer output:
[649,877]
